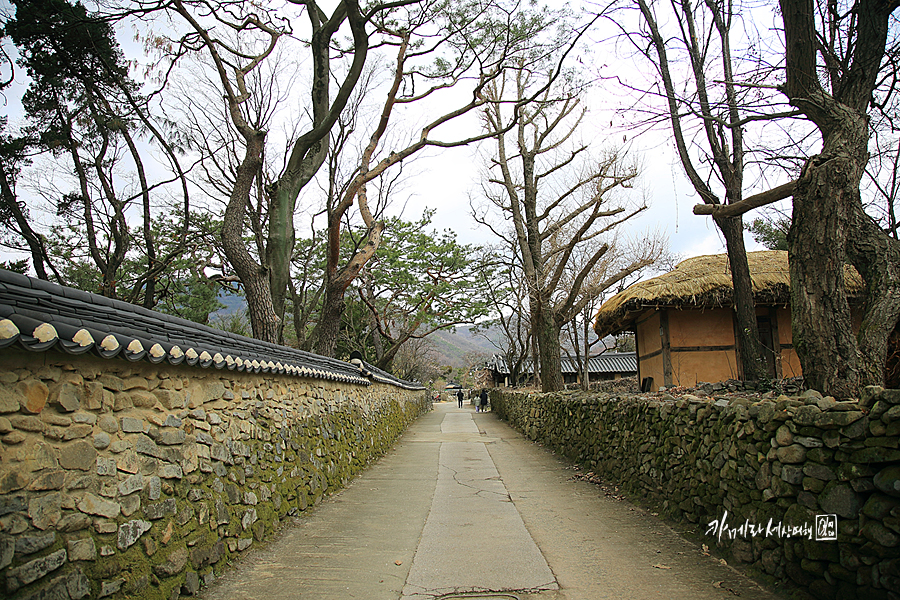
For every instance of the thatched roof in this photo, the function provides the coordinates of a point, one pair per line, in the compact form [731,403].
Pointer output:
[703,282]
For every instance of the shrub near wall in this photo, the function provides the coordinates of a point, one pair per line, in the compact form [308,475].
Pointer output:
[120,479]
[767,463]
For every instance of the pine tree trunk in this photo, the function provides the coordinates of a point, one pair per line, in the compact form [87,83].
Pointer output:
[280,246]
[264,322]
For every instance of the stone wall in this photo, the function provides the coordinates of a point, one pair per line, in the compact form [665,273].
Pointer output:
[763,463]
[122,479]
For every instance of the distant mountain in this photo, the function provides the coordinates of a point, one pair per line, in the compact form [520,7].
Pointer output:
[452,347]
[233,303]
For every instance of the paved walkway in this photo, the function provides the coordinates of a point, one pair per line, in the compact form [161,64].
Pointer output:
[463,504]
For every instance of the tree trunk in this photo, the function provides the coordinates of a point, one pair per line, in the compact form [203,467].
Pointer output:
[820,314]
[877,258]
[254,277]
[387,358]
[264,322]
[547,341]
[586,375]
[829,225]
[280,245]
[747,343]
[328,326]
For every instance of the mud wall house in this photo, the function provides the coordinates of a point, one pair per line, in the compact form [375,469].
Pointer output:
[685,326]
[140,453]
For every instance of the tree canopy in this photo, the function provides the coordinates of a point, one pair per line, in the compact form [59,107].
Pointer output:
[263,149]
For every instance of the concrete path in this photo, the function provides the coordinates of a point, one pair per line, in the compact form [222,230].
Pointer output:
[464,505]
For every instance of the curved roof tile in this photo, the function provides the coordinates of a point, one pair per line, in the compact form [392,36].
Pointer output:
[39,315]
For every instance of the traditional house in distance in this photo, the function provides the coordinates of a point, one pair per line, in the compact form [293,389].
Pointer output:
[611,365]
[684,321]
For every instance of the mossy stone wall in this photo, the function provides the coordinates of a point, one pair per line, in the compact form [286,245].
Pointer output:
[123,479]
[777,461]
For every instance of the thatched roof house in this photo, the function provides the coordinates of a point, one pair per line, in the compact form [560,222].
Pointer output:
[684,325]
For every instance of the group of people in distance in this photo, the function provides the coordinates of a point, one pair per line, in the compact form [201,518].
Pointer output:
[480,405]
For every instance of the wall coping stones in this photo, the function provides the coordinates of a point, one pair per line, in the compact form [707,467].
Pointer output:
[38,316]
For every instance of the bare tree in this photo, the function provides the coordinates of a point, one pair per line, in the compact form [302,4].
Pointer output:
[476,42]
[416,360]
[470,43]
[840,60]
[709,110]
[883,174]
[554,215]
[579,330]
[508,328]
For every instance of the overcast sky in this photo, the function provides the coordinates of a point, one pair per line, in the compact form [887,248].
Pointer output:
[446,180]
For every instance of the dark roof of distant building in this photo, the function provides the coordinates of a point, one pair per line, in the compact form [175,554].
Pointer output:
[610,362]
[39,315]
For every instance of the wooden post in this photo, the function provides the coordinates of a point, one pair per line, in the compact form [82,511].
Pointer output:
[666,347]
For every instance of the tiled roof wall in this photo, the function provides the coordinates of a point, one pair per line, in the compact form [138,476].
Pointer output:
[38,315]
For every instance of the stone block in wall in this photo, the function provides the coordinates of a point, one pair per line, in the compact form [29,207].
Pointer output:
[91,504]
[112,382]
[77,432]
[143,444]
[66,397]
[45,510]
[888,480]
[875,455]
[128,462]
[29,544]
[79,455]
[53,480]
[32,571]
[12,481]
[174,564]
[170,399]
[81,550]
[92,395]
[9,401]
[169,436]
[142,399]
[34,395]
[7,551]
[130,532]
[30,424]
[72,522]
[160,510]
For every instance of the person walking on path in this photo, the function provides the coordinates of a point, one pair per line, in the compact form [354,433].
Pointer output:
[483,400]
[459,397]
